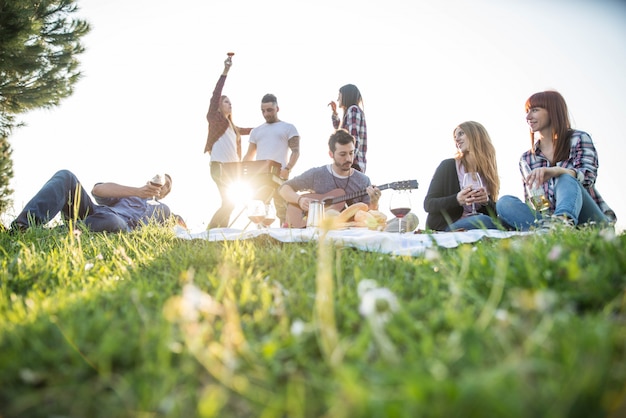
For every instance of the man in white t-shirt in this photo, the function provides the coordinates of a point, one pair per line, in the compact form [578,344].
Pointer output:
[277,141]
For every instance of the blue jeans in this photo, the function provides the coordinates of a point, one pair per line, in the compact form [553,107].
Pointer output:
[572,200]
[480,221]
[63,193]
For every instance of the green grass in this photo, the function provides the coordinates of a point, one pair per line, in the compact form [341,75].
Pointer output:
[99,325]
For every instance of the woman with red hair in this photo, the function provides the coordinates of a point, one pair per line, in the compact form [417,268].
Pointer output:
[564,162]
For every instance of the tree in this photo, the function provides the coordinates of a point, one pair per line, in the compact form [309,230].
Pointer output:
[39,45]
[6,173]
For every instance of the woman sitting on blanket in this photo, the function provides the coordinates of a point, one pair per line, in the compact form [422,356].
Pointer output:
[448,203]
[564,162]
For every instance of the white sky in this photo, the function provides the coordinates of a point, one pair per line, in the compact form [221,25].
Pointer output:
[423,67]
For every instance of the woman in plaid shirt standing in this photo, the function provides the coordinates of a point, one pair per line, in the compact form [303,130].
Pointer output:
[353,121]
[564,162]
[223,144]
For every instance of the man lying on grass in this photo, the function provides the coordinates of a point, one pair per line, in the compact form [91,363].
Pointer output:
[117,208]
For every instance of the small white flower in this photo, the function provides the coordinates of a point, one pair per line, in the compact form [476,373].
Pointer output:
[365,286]
[298,327]
[88,266]
[501,315]
[378,304]
[608,234]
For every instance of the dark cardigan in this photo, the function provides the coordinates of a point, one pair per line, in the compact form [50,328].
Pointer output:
[218,123]
[440,202]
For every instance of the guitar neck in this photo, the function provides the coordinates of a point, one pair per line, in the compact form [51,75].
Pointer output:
[353,195]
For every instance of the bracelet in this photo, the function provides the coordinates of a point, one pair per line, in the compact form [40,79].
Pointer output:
[298,201]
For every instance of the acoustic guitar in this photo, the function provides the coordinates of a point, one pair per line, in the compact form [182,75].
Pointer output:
[336,199]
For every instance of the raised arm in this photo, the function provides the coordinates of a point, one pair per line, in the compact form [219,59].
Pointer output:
[217,92]
[118,191]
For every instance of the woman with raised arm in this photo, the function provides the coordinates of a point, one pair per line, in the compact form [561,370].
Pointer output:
[564,162]
[223,144]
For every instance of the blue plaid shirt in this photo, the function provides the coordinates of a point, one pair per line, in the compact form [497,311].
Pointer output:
[583,159]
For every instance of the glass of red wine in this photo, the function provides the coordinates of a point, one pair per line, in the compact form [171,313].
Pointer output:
[256,212]
[159,181]
[270,215]
[400,205]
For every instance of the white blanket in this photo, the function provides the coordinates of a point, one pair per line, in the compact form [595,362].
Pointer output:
[361,238]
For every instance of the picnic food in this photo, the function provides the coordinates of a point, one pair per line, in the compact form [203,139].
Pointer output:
[348,214]
[356,215]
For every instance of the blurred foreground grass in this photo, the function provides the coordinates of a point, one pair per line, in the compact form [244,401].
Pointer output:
[146,325]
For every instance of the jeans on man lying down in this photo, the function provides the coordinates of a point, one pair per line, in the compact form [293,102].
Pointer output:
[64,194]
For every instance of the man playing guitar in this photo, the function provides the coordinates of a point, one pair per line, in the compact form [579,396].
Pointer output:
[337,177]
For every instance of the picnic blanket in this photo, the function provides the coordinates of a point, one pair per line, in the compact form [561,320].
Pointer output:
[362,238]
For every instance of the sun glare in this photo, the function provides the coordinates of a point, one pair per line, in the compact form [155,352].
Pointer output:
[240,192]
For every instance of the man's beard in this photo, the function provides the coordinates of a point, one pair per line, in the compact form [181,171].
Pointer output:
[341,168]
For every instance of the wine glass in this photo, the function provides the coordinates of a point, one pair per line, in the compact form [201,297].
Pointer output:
[472,179]
[256,212]
[400,205]
[535,192]
[159,181]
[270,215]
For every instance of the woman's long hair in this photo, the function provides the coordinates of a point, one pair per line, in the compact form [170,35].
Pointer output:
[350,95]
[556,107]
[483,155]
[232,125]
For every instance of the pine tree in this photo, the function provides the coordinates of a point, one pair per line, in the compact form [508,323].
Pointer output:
[6,173]
[39,45]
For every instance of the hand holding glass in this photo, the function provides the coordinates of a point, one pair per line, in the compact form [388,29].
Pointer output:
[400,205]
[535,193]
[159,181]
[472,180]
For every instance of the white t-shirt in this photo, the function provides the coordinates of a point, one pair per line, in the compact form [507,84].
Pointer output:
[225,149]
[271,141]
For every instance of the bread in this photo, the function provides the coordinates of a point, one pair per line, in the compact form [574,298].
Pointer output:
[351,210]
[380,217]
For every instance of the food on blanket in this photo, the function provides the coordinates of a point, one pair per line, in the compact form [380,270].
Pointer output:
[366,219]
[355,216]
[372,219]
[380,217]
[348,214]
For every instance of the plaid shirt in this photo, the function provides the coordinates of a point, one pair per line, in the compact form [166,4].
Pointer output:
[583,159]
[354,123]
